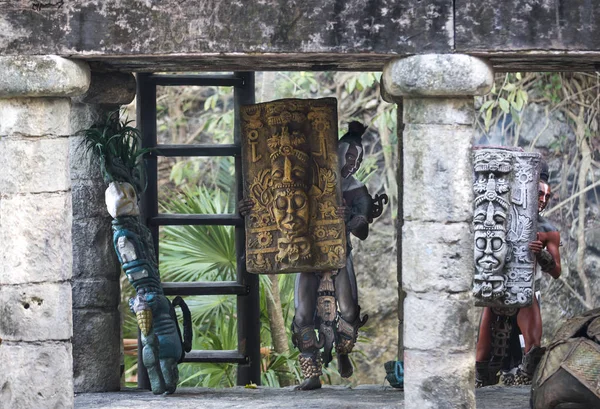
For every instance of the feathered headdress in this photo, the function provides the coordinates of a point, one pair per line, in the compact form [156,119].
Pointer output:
[354,134]
[118,149]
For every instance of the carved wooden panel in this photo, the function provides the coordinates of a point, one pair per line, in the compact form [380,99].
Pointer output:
[291,173]
[504,222]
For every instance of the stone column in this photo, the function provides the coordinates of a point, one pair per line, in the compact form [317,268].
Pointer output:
[96,270]
[36,255]
[437,248]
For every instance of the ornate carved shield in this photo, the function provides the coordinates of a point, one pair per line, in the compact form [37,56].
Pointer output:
[291,173]
[504,222]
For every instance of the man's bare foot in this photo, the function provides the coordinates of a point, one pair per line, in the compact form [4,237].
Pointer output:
[309,384]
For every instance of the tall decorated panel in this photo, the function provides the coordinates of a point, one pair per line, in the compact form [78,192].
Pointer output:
[504,223]
[291,174]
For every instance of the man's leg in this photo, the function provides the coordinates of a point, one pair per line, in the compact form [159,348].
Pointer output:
[485,374]
[303,328]
[529,320]
[349,318]
[484,339]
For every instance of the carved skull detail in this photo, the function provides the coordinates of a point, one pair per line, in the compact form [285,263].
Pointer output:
[121,200]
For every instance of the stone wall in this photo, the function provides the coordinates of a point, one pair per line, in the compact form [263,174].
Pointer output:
[97,353]
[36,257]
[59,288]
[96,318]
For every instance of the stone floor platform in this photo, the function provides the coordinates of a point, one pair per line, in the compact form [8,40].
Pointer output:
[365,396]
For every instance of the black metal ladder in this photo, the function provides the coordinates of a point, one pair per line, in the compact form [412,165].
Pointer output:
[247,356]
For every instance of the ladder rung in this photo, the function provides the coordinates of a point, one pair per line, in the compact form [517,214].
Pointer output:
[197,150]
[215,356]
[201,80]
[205,288]
[196,220]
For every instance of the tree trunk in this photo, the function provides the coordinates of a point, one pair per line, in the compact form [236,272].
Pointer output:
[277,325]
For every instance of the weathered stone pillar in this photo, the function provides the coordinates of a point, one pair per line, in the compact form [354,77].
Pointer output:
[96,270]
[35,230]
[437,248]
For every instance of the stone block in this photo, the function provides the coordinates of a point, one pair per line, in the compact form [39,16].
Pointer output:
[96,293]
[42,76]
[96,351]
[35,312]
[431,75]
[439,380]
[437,257]
[438,173]
[85,115]
[84,166]
[88,199]
[439,321]
[36,376]
[441,111]
[34,166]
[35,116]
[116,88]
[94,257]
[35,232]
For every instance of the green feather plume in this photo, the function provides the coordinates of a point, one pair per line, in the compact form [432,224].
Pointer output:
[118,149]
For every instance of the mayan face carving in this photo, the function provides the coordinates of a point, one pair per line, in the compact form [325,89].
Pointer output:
[503,221]
[293,179]
[121,200]
[351,156]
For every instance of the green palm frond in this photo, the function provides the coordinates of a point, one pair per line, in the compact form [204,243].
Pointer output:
[197,253]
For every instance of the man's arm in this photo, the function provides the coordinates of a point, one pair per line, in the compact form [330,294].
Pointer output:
[546,249]
[552,243]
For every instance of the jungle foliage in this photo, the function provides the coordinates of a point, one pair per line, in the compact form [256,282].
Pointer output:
[196,115]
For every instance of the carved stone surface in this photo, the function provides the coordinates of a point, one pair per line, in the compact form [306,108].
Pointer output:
[504,221]
[133,27]
[525,25]
[291,174]
[448,75]
[42,76]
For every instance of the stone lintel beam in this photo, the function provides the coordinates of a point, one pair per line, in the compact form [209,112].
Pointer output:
[109,88]
[42,76]
[437,75]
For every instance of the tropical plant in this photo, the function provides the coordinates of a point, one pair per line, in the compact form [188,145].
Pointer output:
[118,149]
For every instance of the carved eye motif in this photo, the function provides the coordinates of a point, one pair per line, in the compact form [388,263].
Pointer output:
[299,201]
[497,244]
[281,203]
[299,173]
[481,243]
[129,192]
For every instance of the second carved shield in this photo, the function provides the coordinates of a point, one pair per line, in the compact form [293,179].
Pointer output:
[291,174]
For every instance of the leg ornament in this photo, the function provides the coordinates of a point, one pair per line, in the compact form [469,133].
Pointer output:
[531,360]
[486,373]
[346,335]
[546,261]
[326,313]
[305,339]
